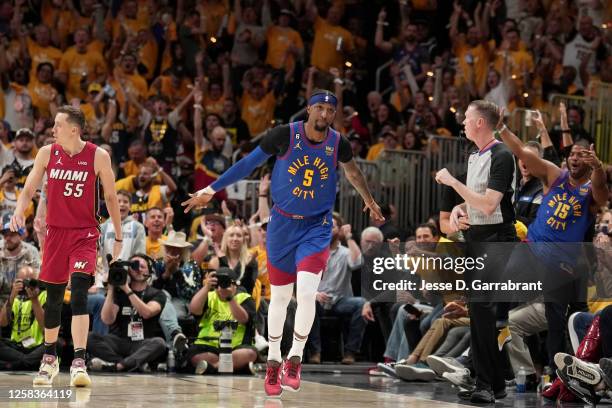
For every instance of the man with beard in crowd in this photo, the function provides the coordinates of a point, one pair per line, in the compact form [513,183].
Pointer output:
[145,194]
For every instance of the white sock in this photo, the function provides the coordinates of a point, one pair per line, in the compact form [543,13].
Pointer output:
[280,296]
[307,286]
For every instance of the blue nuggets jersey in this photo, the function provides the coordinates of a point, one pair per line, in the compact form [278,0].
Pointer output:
[304,178]
[564,214]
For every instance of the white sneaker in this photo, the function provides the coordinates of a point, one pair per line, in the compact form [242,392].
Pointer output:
[443,365]
[414,372]
[78,374]
[461,378]
[201,367]
[260,342]
[49,368]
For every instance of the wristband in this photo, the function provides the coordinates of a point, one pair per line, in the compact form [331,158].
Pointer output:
[130,293]
[118,240]
[263,195]
[207,190]
[338,81]
[198,106]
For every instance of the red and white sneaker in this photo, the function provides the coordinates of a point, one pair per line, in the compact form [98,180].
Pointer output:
[292,369]
[272,383]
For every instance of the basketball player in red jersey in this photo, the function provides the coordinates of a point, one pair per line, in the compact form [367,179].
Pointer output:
[73,167]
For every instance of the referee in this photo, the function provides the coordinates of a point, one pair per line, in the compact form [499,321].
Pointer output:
[488,211]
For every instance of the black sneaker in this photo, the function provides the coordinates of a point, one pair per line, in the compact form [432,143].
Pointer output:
[481,395]
[605,364]
[179,343]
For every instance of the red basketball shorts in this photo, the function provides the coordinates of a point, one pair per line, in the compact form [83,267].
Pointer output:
[68,250]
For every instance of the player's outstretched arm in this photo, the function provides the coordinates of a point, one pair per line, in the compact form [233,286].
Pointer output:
[355,177]
[102,165]
[540,168]
[33,181]
[235,173]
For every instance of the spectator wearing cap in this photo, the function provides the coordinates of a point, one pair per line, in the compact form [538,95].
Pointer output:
[220,300]
[177,274]
[80,66]
[93,108]
[356,145]
[14,253]
[389,142]
[42,91]
[23,153]
[9,193]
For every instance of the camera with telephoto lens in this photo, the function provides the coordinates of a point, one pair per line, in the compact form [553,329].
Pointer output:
[28,283]
[118,270]
[219,325]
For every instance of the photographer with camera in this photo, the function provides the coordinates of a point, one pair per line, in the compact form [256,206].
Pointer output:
[219,304]
[14,253]
[24,313]
[131,309]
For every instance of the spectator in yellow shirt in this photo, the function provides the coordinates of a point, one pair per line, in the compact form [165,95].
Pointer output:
[127,80]
[80,66]
[333,44]
[42,92]
[285,45]
[155,223]
[40,50]
[257,106]
[390,142]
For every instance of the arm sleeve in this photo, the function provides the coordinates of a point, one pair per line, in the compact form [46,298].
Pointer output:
[345,153]
[241,169]
[502,172]
[276,141]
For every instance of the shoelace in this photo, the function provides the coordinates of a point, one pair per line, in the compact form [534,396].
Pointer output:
[293,369]
[272,374]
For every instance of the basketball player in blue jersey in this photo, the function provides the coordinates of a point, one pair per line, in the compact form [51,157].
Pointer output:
[571,200]
[300,228]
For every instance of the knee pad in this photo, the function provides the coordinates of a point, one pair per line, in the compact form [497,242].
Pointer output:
[80,284]
[53,305]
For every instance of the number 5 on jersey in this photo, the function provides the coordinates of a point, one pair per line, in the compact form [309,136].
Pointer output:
[73,189]
[308,178]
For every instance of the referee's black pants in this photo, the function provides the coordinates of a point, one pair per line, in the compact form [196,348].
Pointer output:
[486,357]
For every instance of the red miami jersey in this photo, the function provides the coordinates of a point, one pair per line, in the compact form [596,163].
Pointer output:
[72,188]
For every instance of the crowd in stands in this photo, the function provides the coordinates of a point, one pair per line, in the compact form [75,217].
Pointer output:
[177,92]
